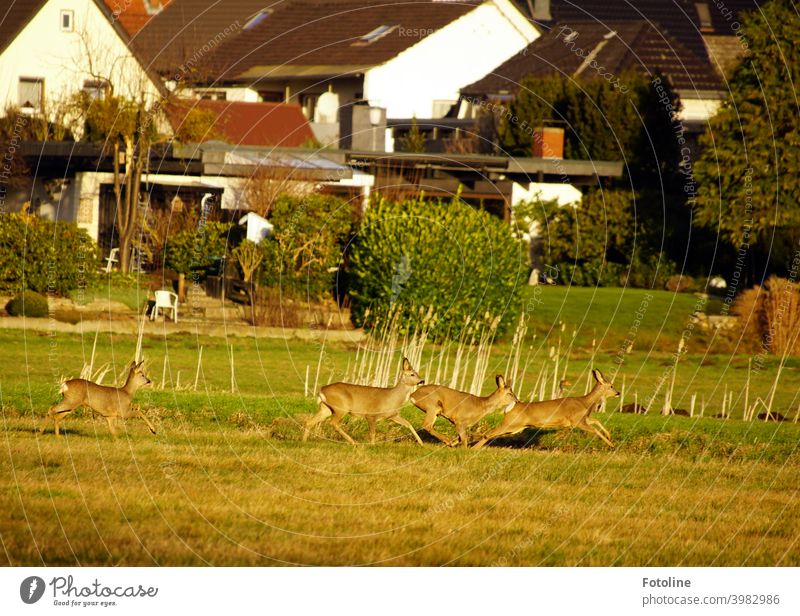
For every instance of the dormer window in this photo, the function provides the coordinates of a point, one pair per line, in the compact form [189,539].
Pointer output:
[257,19]
[374,35]
[67,21]
[704,15]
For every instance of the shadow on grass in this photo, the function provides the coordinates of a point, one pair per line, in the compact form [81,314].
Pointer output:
[527,439]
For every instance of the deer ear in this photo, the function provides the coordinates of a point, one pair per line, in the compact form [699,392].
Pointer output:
[501,382]
[406,364]
[598,376]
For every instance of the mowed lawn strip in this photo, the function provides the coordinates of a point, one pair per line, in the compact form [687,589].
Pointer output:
[225,495]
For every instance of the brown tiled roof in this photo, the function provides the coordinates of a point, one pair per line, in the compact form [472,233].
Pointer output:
[252,124]
[299,33]
[633,46]
[14,18]
[132,14]
[679,18]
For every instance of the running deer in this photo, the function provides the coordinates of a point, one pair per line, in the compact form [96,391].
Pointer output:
[111,402]
[462,409]
[561,413]
[338,400]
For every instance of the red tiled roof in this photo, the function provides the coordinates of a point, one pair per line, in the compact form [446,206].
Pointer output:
[253,124]
[132,15]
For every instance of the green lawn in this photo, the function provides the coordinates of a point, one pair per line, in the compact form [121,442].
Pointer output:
[227,481]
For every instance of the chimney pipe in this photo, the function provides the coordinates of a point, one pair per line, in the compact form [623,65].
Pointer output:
[541,10]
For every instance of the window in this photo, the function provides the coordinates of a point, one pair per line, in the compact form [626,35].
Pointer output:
[704,15]
[96,90]
[374,35]
[257,19]
[271,96]
[67,21]
[31,93]
[213,95]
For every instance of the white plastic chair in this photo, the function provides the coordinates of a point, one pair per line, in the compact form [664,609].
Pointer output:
[166,300]
[111,259]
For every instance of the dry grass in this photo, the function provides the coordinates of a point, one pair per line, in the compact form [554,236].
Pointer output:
[227,481]
[223,494]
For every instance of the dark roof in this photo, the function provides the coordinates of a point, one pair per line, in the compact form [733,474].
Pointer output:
[250,124]
[616,47]
[678,18]
[14,19]
[296,33]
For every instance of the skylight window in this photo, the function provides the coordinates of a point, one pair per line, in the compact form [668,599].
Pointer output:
[704,14]
[374,35]
[257,19]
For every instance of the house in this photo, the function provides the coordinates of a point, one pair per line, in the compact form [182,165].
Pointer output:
[50,49]
[339,60]
[617,47]
[694,43]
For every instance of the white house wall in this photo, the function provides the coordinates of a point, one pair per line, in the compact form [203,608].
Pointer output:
[439,65]
[42,50]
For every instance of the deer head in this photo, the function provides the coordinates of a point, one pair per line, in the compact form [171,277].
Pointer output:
[409,376]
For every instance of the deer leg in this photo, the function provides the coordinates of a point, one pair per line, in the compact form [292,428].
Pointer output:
[371,420]
[497,432]
[54,412]
[594,422]
[399,419]
[324,412]
[430,419]
[461,429]
[335,423]
[110,421]
[586,427]
[149,425]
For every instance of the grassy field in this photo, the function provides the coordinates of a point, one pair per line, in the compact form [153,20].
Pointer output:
[227,481]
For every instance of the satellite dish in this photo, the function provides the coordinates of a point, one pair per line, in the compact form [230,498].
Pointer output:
[327,108]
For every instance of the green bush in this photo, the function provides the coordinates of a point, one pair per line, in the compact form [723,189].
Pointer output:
[197,248]
[44,256]
[599,243]
[447,256]
[29,304]
[306,244]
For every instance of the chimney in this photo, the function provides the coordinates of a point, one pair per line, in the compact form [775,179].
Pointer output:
[541,10]
[548,142]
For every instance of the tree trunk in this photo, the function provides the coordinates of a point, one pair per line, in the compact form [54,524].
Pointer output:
[182,287]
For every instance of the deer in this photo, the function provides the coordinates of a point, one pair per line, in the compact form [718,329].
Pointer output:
[463,410]
[111,402]
[338,400]
[570,412]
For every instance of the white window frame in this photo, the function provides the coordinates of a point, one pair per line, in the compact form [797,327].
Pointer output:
[69,14]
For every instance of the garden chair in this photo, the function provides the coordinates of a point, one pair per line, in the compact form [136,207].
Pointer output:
[166,300]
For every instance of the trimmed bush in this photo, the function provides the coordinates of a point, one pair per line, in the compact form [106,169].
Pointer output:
[305,249]
[29,304]
[44,256]
[445,256]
